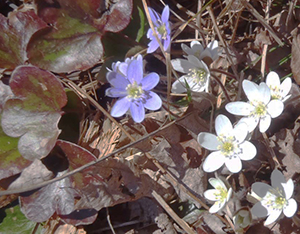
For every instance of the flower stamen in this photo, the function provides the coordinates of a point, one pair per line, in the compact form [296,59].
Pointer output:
[134,91]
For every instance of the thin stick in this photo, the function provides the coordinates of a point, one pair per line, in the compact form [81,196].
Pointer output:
[109,222]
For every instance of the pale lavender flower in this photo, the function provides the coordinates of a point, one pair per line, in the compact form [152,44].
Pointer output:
[133,90]
[162,28]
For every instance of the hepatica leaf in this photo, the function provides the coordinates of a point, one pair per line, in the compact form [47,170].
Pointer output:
[34,112]
[15,32]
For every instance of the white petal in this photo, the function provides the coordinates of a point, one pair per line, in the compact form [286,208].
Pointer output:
[216,207]
[210,194]
[277,178]
[234,164]
[291,208]
[259,210]
[260,189]
[208,141]
[265,93]
[251,90]
[213,161]
[250,121]
[286,86]
[182,65]
[240,131]
[229,193]
[186,49]
[288,188]
[275,108]
[216,182]
[274,215]
[179,85]
[223,125]
[273,79]
[239,108]
[213,47]
[196,62]
[264,123]
[248,151]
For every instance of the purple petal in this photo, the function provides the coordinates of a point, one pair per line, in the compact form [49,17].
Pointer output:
[165,14]
[152,46]
[153,15]
[166,42]
[117,80]
[120,108]
[150,81]
[137,111]
[135,71]
[153,101]
[115,92]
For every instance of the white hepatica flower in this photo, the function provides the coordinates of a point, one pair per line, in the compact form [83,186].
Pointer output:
[197,75]
[278,91]
[229,146]
[220,195]
[260,108]
[275,199]
[196,49]
[242,220]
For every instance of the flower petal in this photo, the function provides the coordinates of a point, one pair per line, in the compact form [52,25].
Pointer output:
[248,151]
[150,81]
[277,179]
[165,14]
[166,42]
[186,49]
[288,188]
[196,45]
[210,194]
[217,182]
[223,125]
[264,92]
[152,46]
[153,15]
[213,161]
[251,122]
[120,108]
[153,101]
[117,80]
[135,70]
[216,207]
[240,131]
[274,215]
[137,111]
[213,47]
[239,108]
[291,208]
[234,164]
[182,65]
[260,189]
[275,108]
[264,123]
[286,86]
[251,90]
[179,85]
[114,92]
[208,141]
[272,79]
[259,210]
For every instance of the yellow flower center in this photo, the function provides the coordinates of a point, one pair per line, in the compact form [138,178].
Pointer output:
[227,145]
[162,31]
[134,91]
[260,109]
[198,74]
[221,194]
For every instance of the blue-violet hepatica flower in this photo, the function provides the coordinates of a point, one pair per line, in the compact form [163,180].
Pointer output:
[260,108]
[133,90]
[196,75]
[162,28]
[229,146]
[274,199]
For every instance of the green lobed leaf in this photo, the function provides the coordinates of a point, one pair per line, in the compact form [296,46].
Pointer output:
[34,112]
[15,222]
[15,33]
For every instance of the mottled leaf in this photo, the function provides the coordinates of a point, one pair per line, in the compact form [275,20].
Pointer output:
[15,33]
[296,58]
[5,93]
[57,197]
[34,113]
